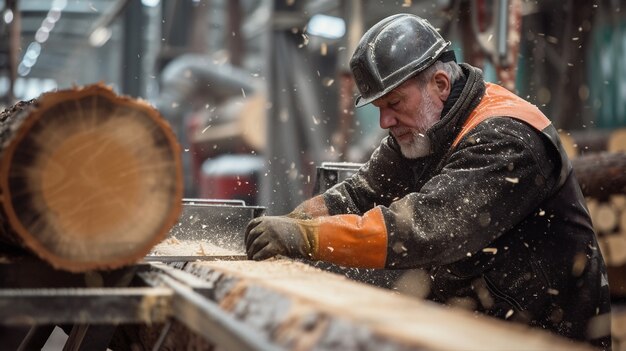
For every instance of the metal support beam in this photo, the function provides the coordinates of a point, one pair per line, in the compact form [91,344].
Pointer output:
[107,18]
[14,46]
[192,306]
[159,294]
[26,307]
[133,48]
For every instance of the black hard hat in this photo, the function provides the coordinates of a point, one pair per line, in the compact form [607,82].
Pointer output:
[392,51]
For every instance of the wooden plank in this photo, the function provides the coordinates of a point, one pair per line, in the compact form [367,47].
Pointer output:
[301,307]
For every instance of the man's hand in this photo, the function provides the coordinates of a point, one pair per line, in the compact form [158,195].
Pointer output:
[269,236]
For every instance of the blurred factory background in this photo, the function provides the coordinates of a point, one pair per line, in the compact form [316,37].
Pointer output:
[259,91]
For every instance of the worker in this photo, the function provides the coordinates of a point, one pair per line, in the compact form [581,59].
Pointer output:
[471,183]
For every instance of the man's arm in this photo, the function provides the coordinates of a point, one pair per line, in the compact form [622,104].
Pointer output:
[498,175]
[378,182]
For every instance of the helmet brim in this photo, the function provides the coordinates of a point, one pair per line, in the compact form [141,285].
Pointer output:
[360,101]
[442,54]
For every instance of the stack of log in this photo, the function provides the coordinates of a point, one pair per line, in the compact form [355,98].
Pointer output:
[599,160]
[618,328]
[88,179]
[609,221]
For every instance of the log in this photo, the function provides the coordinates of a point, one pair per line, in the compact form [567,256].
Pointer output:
[238,126]
[619,201]
[601,174]
[89,179]
[617,141]
[616,245]
[617,280]
[591,140]
[618,324]
[605,219]
[569,144]
[622,223]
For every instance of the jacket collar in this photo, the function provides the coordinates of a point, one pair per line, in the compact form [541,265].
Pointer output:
[464,97]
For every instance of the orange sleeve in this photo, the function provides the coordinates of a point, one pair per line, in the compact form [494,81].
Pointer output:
[352,240]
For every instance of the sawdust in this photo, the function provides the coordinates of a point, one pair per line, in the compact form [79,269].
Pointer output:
[175,247]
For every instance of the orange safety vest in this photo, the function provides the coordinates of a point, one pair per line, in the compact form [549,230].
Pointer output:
[499,102]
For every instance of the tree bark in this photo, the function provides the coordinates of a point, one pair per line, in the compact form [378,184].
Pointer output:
[89,179]
[601,174]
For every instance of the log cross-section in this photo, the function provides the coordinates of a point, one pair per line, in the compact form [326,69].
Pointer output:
[88,179]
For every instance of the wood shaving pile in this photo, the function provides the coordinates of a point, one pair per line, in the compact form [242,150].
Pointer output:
[174,247]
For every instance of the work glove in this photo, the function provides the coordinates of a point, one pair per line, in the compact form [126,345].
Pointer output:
[269,236]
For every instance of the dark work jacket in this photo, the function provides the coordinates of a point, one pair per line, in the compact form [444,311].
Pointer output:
[499,220]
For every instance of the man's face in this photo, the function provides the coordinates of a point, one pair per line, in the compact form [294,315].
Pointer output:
[408,112]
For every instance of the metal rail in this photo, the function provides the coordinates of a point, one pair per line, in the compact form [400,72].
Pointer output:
[194,258]
[207,319]
[26,307]
[165,293]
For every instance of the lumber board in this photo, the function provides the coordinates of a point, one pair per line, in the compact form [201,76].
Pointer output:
[301,307]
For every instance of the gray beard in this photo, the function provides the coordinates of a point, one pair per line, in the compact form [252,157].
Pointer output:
[419,146]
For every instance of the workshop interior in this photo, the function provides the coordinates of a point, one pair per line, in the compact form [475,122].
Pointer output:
[140,137]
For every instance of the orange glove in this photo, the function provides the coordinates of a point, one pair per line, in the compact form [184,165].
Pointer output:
[348,240]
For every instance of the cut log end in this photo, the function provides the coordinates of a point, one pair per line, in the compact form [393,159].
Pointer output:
[91,179]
